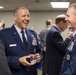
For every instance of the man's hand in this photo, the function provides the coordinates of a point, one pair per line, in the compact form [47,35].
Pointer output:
[37,57]
[23,60]
[44,49]
[70,35]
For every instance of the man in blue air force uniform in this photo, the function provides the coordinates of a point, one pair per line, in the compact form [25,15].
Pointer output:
[69,61]
[18,54]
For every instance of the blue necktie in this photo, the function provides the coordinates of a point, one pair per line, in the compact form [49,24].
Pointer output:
[24,39]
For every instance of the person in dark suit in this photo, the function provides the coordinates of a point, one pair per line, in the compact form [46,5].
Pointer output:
[4,68]
[43,35]
[69,61]
[55,46]
[21,45]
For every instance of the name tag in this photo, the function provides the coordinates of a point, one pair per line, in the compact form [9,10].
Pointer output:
[12,45]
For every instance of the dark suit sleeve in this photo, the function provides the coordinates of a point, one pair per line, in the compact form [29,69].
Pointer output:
[4,69]
[58,42]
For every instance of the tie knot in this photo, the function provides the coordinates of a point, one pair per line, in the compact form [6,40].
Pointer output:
[22,31]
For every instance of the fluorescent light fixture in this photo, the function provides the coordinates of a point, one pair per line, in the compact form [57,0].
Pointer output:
[1,7]
[60,4]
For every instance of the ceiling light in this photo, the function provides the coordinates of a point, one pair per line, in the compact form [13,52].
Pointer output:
[1,7]
[60,4]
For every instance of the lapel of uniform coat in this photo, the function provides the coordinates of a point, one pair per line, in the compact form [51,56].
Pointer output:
[73,38]
[17,37]
[29,40]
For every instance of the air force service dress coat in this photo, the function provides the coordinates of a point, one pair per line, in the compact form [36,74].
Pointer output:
[69,61]
[15,49]
[55,47]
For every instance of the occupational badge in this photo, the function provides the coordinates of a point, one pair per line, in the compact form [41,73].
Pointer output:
[68,57]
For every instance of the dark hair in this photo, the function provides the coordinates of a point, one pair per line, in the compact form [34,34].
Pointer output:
[3,25]
[48,22]
[58,20]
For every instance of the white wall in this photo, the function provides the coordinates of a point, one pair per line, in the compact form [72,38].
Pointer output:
[7,17]
[37,19]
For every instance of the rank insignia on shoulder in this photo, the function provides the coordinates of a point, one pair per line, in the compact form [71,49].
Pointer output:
[68,57]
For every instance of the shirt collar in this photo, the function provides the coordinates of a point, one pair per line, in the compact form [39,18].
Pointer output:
[74,33]
[58,29]
[18,29]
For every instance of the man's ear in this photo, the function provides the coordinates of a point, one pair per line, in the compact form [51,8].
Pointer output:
[15,18]
[61,22]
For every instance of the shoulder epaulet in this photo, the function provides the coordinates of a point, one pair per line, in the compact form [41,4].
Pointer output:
[5,29]
[31,30]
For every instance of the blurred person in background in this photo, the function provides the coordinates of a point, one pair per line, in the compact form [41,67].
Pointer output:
[55,46]
[43,35]
[2,26]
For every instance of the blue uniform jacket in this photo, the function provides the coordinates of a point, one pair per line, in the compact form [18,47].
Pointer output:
[69,62]
[15,49]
